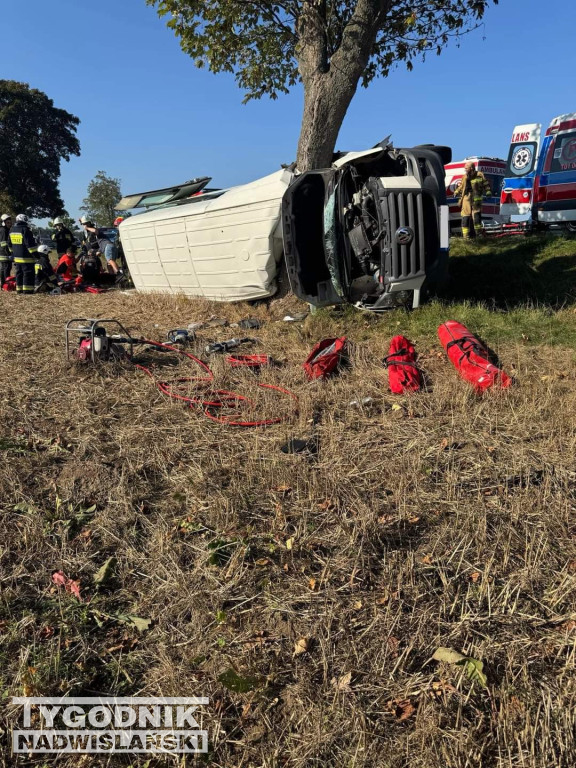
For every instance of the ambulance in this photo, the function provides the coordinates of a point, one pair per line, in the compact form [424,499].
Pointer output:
[539,190]
[494,169]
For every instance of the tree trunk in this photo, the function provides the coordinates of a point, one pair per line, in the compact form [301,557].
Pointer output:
[330,83]
[326,101]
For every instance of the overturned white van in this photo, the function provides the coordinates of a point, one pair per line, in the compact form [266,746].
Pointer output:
[372,229]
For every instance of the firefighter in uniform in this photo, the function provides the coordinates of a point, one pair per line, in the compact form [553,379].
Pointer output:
[472,189]
[24,251]
[62,238]
[5,254]
[45,277]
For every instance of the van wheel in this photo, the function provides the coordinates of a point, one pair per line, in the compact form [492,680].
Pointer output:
[571,227]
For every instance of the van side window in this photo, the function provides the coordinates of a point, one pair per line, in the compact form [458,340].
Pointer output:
[564,158]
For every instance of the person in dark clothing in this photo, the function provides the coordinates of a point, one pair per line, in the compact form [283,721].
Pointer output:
[95,237]
[24,249]
[45,277]
[5,252]
[62,237]
[90,266]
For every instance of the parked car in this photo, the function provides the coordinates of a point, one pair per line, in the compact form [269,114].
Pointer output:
[372,229]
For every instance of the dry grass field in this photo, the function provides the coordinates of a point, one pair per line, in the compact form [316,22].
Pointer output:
[305,594]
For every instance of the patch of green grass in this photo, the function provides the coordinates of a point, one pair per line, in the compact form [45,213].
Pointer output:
[516,290]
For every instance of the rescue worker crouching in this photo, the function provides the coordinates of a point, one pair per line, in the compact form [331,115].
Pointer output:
[472,189]
[66,267]
[24,249]
[45,277]
[5,253]
[90,266]
[62,237]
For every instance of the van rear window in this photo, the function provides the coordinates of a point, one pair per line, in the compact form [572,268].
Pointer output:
[564,158]
[522,158]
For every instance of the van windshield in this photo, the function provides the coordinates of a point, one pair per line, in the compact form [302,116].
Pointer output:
[564,158]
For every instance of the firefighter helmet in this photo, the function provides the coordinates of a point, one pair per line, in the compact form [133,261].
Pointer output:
[5,217]
[21,218]
[57,221]
[85,220]
[43,249]
[118,220]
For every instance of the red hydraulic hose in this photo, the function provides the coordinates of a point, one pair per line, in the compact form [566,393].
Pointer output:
[210,399]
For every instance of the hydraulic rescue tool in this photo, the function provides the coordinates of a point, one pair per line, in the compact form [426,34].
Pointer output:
[101,341]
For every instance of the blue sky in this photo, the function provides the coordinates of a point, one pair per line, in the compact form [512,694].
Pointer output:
[149,117]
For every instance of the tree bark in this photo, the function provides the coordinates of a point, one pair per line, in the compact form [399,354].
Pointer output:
[330,83]
[326,101]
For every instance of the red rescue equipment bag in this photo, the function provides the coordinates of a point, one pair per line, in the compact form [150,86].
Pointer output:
[9,284]
[324,358]
[471,357]
[403,374]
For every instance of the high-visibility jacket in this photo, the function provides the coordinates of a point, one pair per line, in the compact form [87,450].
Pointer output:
[63,239]
[5,254]
[471,191]
[66,268]
[23,244]
[43,269]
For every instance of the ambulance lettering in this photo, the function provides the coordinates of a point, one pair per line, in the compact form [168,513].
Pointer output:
[517,137]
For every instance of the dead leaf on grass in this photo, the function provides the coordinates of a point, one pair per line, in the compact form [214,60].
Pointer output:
[105,572]
[134,621]
[402,709]
[301,646]
[393,644]
[342,683]
[46,632]
[426,560]
[312,584]
[327,505]
[70,585]
[472,667]
[475,576]
[289,543]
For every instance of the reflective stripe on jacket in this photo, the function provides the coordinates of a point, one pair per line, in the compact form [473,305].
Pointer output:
[23,244]
[4,244]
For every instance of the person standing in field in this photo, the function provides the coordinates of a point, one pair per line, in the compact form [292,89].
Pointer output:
[5,252]
[24,249]
[472,189]
[62,237]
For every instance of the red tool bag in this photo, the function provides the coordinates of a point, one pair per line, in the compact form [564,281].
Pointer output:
[9,284]
[403,374]
[324,358]
[471,357]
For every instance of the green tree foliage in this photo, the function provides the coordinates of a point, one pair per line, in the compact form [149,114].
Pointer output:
[329,45]
[35,136]
[101,199]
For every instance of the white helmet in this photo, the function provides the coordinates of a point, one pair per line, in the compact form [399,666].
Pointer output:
[43,249]
[21,218]
[85,220]
[57,220]
[5,217]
